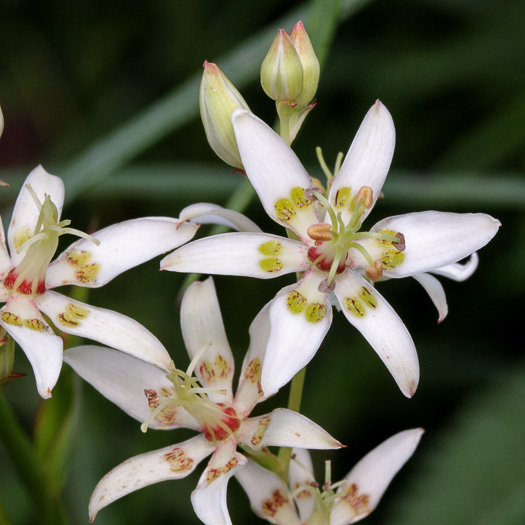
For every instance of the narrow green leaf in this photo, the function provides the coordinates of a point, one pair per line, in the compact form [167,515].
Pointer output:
[54,431]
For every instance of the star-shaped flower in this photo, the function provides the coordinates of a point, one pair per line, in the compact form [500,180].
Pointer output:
[305,502]
[27,277]
[178,401]
[331,248]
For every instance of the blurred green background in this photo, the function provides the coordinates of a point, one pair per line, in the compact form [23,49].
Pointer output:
[105,94]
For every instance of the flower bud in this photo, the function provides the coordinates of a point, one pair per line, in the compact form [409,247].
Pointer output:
[1,122]
[281,70]
[309,63]
[218,99]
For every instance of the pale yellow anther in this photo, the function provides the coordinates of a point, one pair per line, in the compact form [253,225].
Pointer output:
[317,183]
[374,273]
[320,232]
[365,194]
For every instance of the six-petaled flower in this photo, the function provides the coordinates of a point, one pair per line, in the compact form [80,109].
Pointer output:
[166,402]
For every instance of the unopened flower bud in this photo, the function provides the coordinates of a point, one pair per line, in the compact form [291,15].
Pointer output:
[309,63]
[281,70]
[218,99]
[1,122]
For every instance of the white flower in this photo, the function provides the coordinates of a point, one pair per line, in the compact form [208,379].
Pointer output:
[178,401]
[27,278]
[331,249]
[305,502]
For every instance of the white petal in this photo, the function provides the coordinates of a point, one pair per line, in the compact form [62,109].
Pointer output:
[122,379]
[301,473]
[5,260]
[284,428]
[268,494]
[209,498]
[436,292]
[274,171]
[371,477]
[24,323]
[459,272]
[249,254]
[174,462]
[249,391]
[122,246]
[368,159]
[206,213]
[106,327]
[295,334]
[202,327]
[435,239]
[377,321]
[26,212]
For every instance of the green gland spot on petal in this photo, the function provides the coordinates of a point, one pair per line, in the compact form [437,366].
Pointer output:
[342,197]
[298,303]
[286,209]
[392,256]
[270,248]
[315,312]
[271,265]
[358,305]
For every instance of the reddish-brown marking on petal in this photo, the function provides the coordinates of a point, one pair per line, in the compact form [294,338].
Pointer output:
[178,460]
[271,506]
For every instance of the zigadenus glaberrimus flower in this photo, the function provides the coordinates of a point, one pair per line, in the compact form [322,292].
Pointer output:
[337,257]
[177,400]
[27,276]
[306,502]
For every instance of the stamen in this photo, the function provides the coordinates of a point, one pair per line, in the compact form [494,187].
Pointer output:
[324,167]
[375,272]
[366,195]
[197,357]
[320,232]
[338,162]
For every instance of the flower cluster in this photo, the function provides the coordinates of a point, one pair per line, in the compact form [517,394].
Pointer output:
[337,262]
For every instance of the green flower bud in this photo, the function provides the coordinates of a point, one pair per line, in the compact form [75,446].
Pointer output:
[218,99]
[281,70]
[309,63]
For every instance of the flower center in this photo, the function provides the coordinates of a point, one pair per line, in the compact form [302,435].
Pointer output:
[29,277]
[333,241]
[217,421]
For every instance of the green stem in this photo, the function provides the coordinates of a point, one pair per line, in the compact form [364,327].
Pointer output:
[294,403]
[29,467]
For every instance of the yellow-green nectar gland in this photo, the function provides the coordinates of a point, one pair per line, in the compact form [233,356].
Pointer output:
[216,420]
[29,277]
[333,241]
